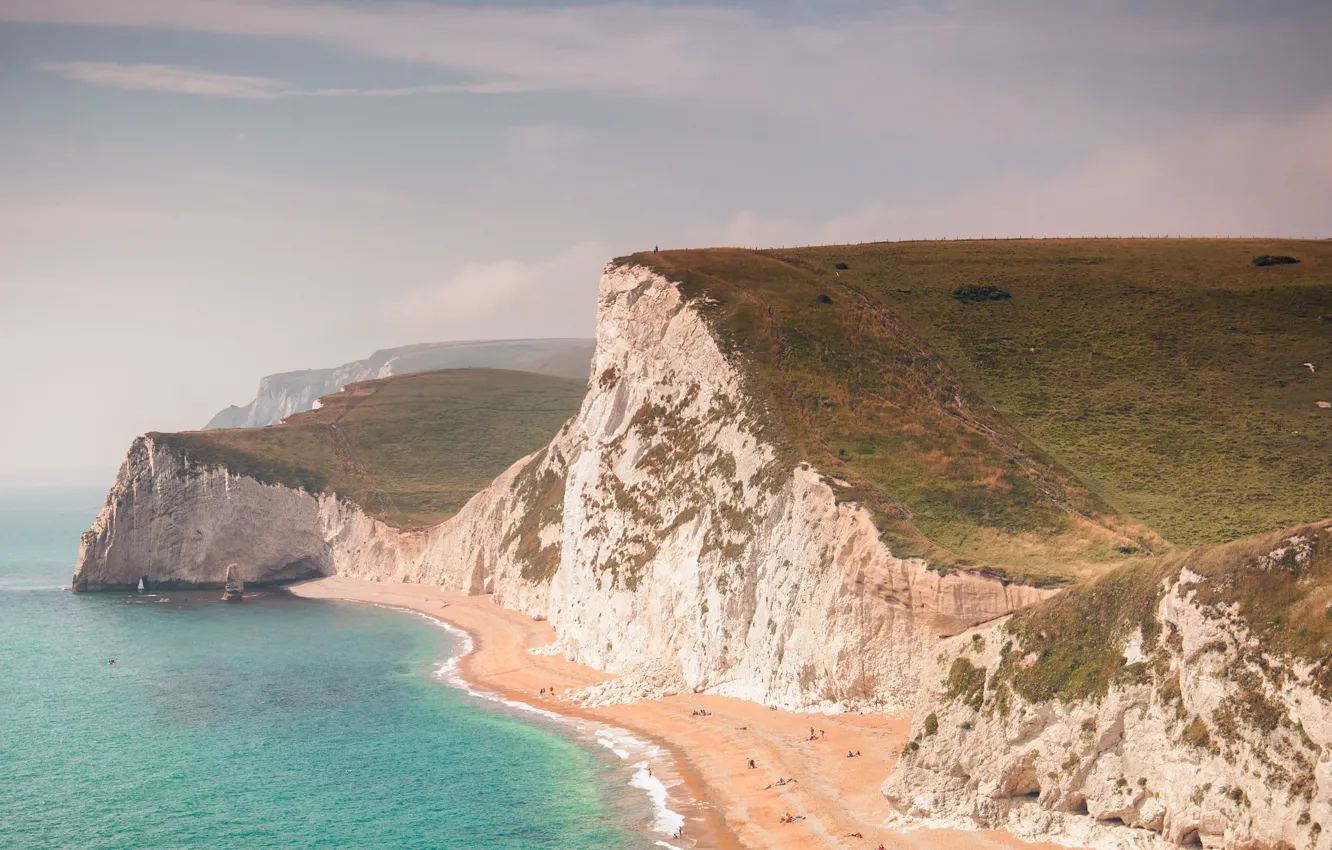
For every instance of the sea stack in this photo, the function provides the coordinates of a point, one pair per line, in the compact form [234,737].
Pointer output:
[234,589]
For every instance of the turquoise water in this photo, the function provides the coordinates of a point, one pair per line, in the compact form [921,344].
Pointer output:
[274,723]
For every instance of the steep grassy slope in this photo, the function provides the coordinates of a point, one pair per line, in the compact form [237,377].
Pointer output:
[1076,639]
[409,449]
[1155,379]
[844,384]
[1166,374]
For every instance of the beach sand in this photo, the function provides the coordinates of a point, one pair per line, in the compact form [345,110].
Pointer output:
[725,803]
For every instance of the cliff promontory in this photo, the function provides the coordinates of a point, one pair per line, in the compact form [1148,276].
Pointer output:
[669,530]
[1077,524]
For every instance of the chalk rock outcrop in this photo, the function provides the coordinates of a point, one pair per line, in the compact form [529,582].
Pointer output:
[173,525]
[1206,737]
[659,533]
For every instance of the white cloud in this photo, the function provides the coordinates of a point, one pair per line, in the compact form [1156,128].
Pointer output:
[1249,177]
[166,78]
[553,297]
[175,79]
[1016,70]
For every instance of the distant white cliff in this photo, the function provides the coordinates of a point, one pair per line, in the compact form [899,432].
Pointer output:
[286,393]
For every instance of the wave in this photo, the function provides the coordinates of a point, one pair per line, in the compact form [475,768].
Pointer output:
[638,755]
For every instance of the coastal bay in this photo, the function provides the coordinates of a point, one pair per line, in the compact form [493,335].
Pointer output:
[273,723]
[725,803]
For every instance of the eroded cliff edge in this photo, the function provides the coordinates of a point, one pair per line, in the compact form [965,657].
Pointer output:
[1184,703]
[658,532]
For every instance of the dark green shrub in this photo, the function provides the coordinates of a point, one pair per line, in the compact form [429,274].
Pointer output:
[841,266]
[1274,260]
[976,293]
[823,299]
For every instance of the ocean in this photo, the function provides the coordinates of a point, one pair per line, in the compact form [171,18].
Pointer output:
[274,723]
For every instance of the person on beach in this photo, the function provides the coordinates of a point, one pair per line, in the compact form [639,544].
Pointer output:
[751,764]
[543,692]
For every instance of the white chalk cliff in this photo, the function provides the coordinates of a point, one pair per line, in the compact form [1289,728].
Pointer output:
[658,533]
[1208,737]
[665,539]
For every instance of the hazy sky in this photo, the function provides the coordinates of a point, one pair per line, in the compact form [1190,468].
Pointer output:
[195,193]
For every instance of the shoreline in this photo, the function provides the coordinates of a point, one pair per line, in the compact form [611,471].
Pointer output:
[703,828]
[725,805]
[606,735]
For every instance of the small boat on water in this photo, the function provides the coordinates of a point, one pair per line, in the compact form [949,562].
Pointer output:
[234,589]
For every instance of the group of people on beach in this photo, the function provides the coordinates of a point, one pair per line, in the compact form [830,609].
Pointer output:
[787,817]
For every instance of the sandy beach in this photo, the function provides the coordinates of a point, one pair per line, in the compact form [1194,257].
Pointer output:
[726,804]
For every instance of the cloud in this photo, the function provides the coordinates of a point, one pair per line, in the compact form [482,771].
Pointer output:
[174,79]
[552,297]
[1015,69]
[166,78]
[1249,177]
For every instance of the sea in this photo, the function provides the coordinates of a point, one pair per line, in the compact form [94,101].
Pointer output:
[274,723]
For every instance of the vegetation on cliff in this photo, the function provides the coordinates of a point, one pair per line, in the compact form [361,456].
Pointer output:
[1117,389]
[409,450]
[1278,584]
[1168,375]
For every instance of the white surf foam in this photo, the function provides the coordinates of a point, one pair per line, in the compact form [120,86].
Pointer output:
[666,820]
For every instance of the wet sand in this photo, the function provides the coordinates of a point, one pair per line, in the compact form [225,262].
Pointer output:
[725,803]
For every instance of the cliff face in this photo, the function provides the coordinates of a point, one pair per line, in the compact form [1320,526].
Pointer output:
[658,532]
[286,393]
[174,526]
[1209,733]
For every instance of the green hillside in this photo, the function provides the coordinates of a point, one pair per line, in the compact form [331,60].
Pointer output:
[409,449]
[1098,389]
[1280,584]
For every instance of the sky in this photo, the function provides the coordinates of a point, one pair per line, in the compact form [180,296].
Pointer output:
[196,193]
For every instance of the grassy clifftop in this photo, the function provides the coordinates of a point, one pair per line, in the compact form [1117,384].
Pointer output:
[1042,406]
[409,450]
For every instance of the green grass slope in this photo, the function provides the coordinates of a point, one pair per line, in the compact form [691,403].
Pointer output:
[1168,375]
[409,449]
[1076,638]
[1125,388]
